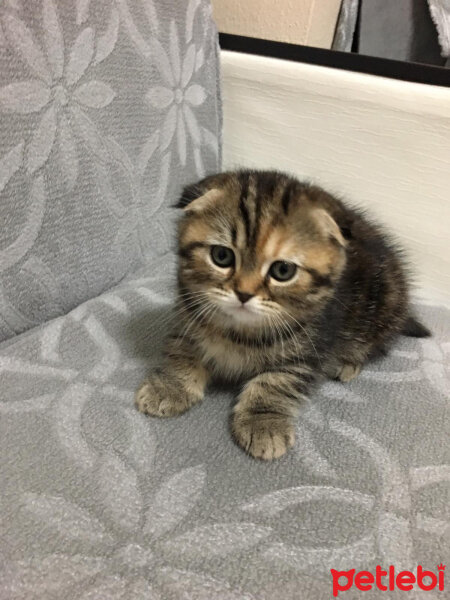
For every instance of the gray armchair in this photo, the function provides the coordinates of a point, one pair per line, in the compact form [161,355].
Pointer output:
[107,109]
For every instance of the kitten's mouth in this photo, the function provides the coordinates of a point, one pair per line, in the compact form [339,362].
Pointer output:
[242,314]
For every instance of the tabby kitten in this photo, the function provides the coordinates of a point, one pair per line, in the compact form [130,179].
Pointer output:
[279,284]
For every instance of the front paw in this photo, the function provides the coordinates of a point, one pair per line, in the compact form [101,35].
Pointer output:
[263,436]
[348,372]
[161,397]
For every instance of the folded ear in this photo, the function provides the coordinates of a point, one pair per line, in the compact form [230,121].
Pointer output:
[203,202]
[328,226]
[198,196]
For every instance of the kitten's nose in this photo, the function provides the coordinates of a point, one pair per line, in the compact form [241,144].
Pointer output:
[243,296]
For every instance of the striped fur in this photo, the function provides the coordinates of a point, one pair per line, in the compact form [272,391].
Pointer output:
[346,303]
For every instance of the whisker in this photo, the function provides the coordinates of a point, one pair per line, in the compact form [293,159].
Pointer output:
[192,294]
[277,319]
[296,342]
[177,311]
[341,303]
[307,335]
[197,315]
[216,308]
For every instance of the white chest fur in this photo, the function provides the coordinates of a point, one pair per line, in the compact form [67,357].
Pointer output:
[231,360]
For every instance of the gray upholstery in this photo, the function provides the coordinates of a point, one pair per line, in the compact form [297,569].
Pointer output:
[440,13]
[97,501]
[401,30]
[106,109]
[346,26]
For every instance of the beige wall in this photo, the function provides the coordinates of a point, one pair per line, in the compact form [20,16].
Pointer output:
[307,22]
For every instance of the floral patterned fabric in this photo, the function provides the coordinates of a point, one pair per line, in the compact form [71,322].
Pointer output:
[106,109]
[101,502]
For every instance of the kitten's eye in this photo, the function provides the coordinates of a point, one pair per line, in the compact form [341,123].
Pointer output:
[282,270]
[222,256]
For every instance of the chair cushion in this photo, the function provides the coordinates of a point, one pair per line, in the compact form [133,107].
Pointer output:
[106,110]
[99,501]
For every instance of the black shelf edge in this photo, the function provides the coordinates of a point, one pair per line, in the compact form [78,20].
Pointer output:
[360,63]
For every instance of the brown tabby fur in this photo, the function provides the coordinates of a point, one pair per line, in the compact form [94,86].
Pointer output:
[347,303]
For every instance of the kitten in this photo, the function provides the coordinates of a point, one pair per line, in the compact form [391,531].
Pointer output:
[279,284]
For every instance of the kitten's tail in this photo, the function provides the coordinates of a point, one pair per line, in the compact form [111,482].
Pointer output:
[413,328]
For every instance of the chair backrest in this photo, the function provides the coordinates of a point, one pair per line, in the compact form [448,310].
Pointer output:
[106,110]
[383,144]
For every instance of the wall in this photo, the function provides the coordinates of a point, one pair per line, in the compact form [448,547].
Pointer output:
[307,22]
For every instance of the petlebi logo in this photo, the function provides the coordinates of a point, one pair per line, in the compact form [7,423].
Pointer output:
[388,580]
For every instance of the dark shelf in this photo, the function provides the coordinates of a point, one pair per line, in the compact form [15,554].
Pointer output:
[383,67]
